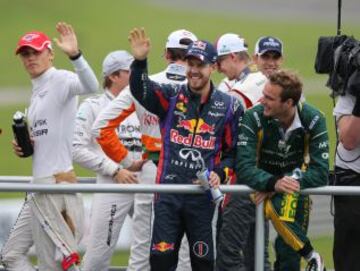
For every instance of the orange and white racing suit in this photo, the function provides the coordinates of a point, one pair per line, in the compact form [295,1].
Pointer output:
[104,129]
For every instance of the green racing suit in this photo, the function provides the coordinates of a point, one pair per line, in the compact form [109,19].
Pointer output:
[265,153]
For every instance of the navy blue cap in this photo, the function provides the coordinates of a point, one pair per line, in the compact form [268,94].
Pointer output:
[202,50]
[268,44]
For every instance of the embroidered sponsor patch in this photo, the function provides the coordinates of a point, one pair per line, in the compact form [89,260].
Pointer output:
[200,249]
[163,246]
[288,207]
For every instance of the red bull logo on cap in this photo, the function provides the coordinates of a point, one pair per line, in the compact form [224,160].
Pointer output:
[163,246]
[199,44]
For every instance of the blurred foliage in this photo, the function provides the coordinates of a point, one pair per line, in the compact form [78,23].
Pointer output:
[103,26]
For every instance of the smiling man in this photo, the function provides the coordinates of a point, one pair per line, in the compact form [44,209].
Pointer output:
[276,139]
[104,129]
[268,55]
[197,127]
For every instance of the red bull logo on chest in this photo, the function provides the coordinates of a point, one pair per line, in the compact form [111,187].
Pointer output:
[197,141]
[195,127]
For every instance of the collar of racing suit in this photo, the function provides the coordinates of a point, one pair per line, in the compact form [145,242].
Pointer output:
[109,95]
[244,73]
[42,79]
[176,72]
[196,96]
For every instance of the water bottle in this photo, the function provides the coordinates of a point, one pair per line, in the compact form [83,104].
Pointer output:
[21,134]
[290,201]
[214,194]
[296,174]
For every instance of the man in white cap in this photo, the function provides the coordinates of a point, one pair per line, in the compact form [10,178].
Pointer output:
[53,222]
[236,237]
[108,210]
[233,61]
[104,131]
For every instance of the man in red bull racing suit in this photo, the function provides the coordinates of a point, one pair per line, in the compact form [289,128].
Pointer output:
[197,125]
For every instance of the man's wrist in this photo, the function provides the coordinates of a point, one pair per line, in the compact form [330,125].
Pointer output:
[116,172]
[271,182]
[221,173]
[75,55]
[142,64]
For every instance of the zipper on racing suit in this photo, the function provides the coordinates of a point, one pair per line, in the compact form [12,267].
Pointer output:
[199,109]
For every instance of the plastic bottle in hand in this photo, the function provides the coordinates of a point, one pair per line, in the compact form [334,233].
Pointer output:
[297,174]
[21,134]
[214,194]
[290,201]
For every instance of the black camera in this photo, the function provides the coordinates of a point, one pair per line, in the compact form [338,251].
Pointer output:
[339,56]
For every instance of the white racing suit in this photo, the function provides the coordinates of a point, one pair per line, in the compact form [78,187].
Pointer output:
[104,130]
[51,121]
[226,85]
[58,219]
[14,253]
[41,220]
[108,211]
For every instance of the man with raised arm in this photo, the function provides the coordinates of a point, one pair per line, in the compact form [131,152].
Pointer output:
[197,126]
[53,222]
[104,129]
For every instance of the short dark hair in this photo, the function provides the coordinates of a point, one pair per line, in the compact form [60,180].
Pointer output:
[176,54]
[290,83]
[272,54]
[107,82]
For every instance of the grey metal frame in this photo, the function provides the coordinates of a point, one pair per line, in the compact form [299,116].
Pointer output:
[86,185]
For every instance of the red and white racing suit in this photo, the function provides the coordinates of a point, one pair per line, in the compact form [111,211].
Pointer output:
[249,89]
[51,120]
[104,131]
[108,211]
[226,85]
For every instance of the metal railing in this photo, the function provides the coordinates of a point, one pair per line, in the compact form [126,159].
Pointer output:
[86,185]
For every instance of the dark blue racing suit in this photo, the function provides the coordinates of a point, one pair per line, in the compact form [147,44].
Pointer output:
[191,132]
